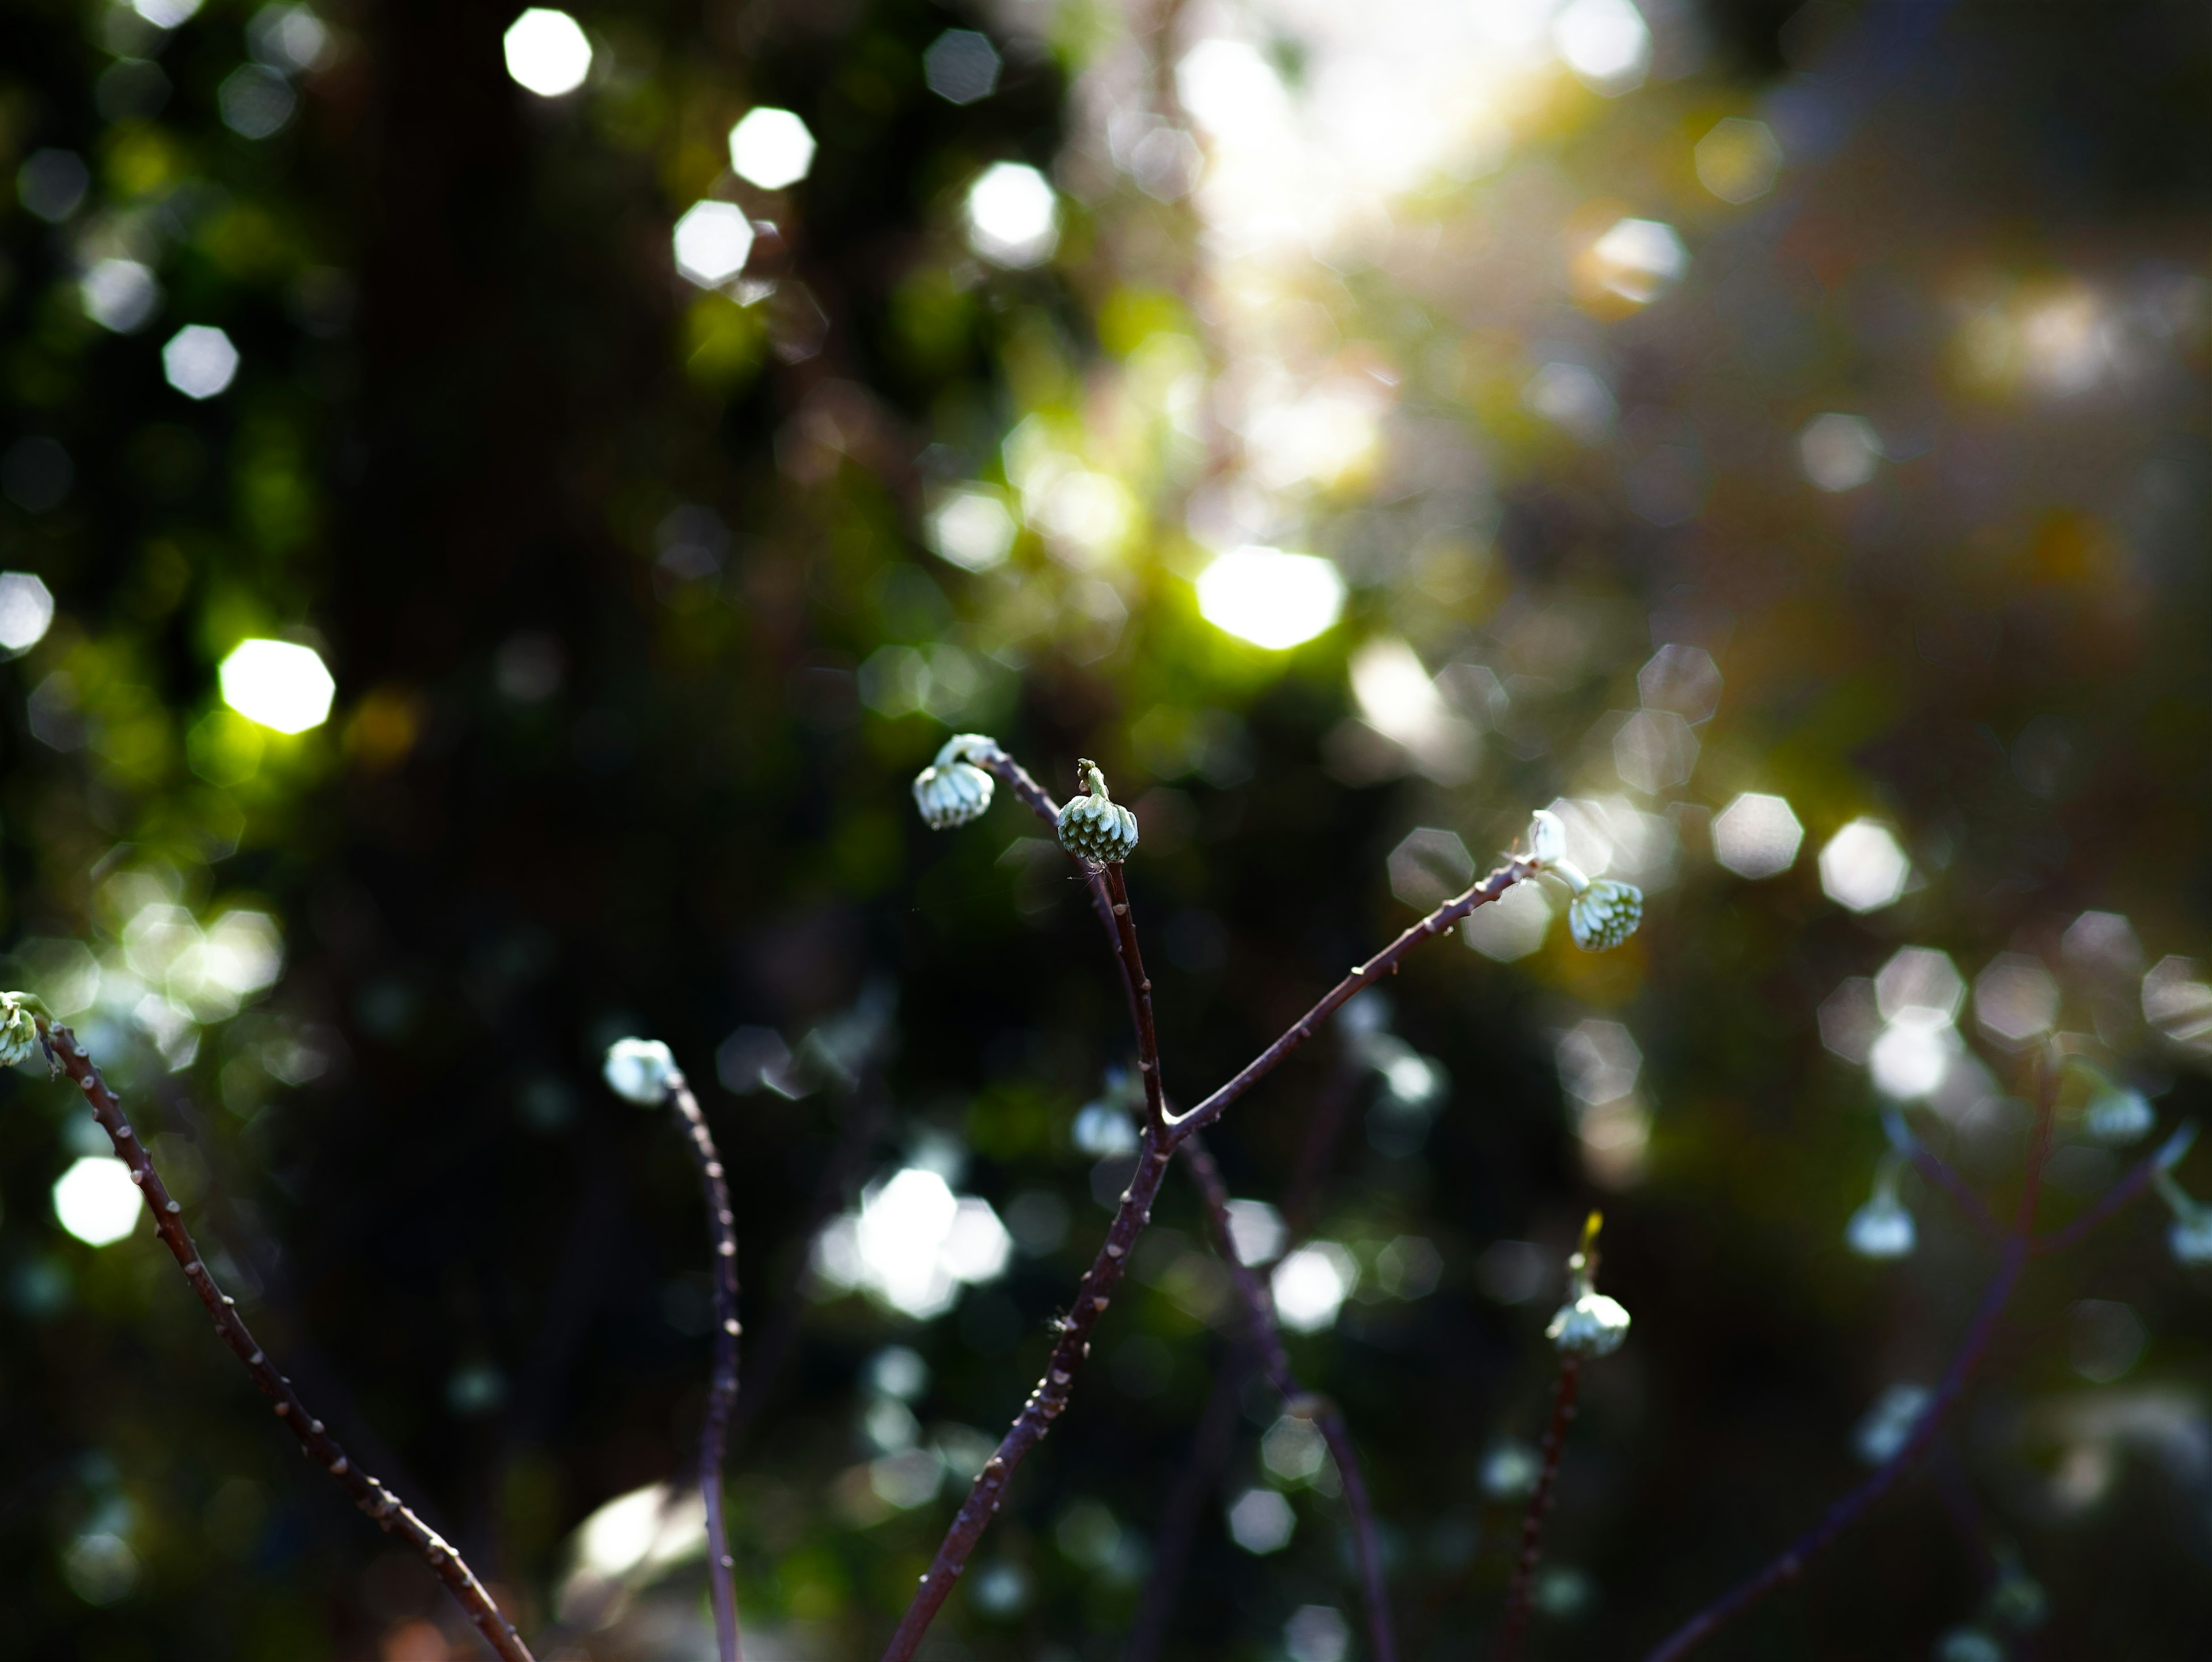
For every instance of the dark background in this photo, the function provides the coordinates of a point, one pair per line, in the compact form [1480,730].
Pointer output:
[574,786]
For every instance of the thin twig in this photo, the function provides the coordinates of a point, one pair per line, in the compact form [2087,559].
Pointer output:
[1940,1172]
[1195,1479]
[1362,975]
[1139,986]
[2131,1186]
[1266,1336]
[1092,1294]
[722,1387]
[1518,1594]
[2019,1246]
[65,1052]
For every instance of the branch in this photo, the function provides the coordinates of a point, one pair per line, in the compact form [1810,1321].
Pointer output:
[1093,1294]
[1139,986]
[2019,1246]
[1200,1470]
[722,1387]
[1539,1505]
[1267,1339]
[2130,1188]
[1363,975]
[1939,1173]
[64,1052]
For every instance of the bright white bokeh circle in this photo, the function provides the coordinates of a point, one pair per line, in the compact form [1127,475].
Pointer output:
[1271,599]
[1013,215]
[95,1200]
[771,148]
[283,686]
[547,52]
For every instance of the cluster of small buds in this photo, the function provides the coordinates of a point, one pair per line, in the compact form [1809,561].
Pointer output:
[1094,826]
[20,1015]
[2190,1236]
[952,790]
[1589,1323]
[641,1070]
[1602,912]
[1882,1228]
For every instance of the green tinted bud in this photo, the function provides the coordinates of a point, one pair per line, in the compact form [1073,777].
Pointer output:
[1095,826]
[1605,914]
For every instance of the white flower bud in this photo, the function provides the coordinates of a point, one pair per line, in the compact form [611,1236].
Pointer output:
[1605,914]
[1096,826]
[1882,1228]
[19,1027]
[1593,1325]
[641,1070]
[952,793]
[1547,837]
[2118,1116]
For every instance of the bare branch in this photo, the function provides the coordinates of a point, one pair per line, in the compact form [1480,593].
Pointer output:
[376,1499]
[1265,1337]
[722,1385]
[1517,1595]
[1362,975]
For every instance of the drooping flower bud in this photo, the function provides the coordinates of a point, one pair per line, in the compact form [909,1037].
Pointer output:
[1094,826]
[2189,1236]
[1882,1228]
[1604,914]
[1589,1323]
[641,1070]
[19,1027]
[952,790]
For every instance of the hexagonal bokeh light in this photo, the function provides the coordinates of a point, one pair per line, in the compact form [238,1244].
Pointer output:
[1606,43]
[972,529]
[712,242]
[282,686]
[95,1200]
[27,611]
[1863,867]
[1838,452]
[961,66]
[547,52]
[1918,983]
[1639,259]
[1013,215]
[1682,678]
[1429,867]
[1757,835]
[1271,599]
[1511,927]
[2015,1000]
[1738,160]
[771,148]
[199,361]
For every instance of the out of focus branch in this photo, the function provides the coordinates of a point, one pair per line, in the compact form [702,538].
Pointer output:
[64,1051]
[2019,1245]
[722,1386]
[1518,1594]
[1265,1337]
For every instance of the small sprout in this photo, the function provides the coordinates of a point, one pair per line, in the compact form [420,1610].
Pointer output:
[642,1070]
[2117,1116]
[20,1016]
[952,790]
[1095,826]
[1589,1323]
[1890,1424]
[1605,914]
[1882,1228]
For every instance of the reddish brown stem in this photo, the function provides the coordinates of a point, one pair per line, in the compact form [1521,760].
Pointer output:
[391,1515]
[1045,1402]
[1139,986]
[1518,1594]
[1362,975]
[722,1382]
